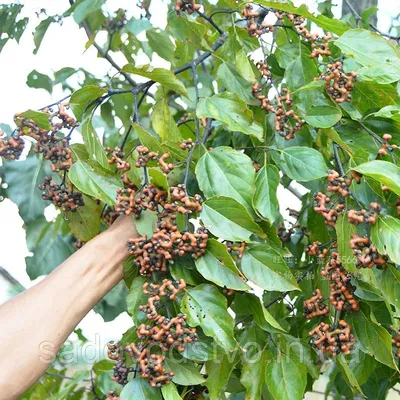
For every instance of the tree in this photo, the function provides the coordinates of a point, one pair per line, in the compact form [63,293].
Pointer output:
[198,160]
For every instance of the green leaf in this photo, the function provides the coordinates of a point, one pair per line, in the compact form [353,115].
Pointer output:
[26,174]
[301,72]
[206,307]
[219,371]
[185,371]
[367,48]
[170,392]
[385,236]
[261,315]
[140,389]
[303,164]
[158,179]
[348,374]
[82,98]
[286,378]
[369,96]
[374,340]
[49,246]
[253,375]
[204,349]
[146,223]
[389,284]
[382,73]
[39,81]
[344,232]
[217,266]
[225,218]
[160,42]
[229,77]
[391,112]
[147,139]
[329,24]
[94,183]
[40,118]
[167,78]
[85,221]
[323,116]
[163,122]
[93,145]
[137,298]
[265,200]
[231,110]
[85,8]
[384,172]
[334,136]
[40,31]
[266,267]
[63,74]
[227,172]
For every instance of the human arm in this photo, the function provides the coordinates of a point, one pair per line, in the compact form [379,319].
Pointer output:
[49,311]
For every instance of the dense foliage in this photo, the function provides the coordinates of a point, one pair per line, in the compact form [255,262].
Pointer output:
[228,300]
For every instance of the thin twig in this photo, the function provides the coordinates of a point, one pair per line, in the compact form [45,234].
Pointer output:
[64,377]
[342,171]
[284,294]
[377,139]
[372,26]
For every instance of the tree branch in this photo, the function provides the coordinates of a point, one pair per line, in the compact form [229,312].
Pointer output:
[372,26]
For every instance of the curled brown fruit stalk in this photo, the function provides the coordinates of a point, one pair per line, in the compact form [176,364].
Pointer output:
[188,6]
[160,332]
[11,148]
[396,340]
[338,84]
[54,148]
[314,306]
[333,340]
[314,249]
[386,146]
[331,210]
[112,395]
[287,122]
[341,289]
[54,145]
[238,250]
[61,196]
[367,255]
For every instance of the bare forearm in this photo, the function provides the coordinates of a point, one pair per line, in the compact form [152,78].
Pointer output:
[36,323]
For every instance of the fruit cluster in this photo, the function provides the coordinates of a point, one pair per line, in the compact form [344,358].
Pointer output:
[167,243]
[188,6]
[315,306]
[11,148]
[253,27]
[54,148]
[61,196]
[314,249]
[366,253]
[112,395]
[333,340]
[386,146]
[160,332]
[287,122]
[329,212]
[341,290]
[328,338]
[338,84]
[396,341]
[256,26]
[236,249]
